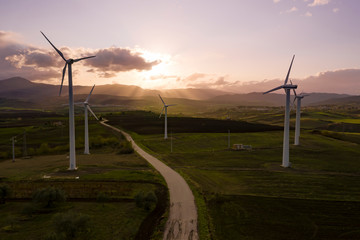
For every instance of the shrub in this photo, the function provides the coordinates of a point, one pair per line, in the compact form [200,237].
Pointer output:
[71,225]
[43,149]
[125,147]
[47,197]
[145,200]
[5,192]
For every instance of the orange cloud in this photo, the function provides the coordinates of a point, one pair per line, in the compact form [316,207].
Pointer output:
[119,60]
[35,63]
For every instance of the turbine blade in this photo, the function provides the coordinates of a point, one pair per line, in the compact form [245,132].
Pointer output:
[292,104]
[62,80]
[79,59]
[88,107]
[161,111]
[88,97]
[274,89]
[171,105]
[287,76]
[57,50]
[162,99]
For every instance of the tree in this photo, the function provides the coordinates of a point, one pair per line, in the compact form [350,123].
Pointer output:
[125,147]
[145,200]
[71,225]
[4,193]
[47,197]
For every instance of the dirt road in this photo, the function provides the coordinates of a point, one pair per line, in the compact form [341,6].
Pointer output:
[182,221]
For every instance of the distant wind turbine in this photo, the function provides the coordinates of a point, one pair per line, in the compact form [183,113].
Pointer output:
[165,108]
[86,108]
[69,62]
[286,87]
[298,99]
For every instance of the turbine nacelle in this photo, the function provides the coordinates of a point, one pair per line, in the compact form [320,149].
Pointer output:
[287,86]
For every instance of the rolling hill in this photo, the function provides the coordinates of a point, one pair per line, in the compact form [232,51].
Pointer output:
[46,95]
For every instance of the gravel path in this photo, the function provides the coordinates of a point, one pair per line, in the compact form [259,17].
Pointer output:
[182,221]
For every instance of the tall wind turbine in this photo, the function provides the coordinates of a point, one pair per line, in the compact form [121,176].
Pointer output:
[86,108]
[69,62]
[165,108]
[298,99]
[286,87]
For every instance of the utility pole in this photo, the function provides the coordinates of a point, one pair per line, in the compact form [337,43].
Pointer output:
[228,138]
[24,144]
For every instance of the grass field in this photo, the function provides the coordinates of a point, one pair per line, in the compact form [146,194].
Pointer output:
[249,196]
[47,133]
[119,177]
[115,220]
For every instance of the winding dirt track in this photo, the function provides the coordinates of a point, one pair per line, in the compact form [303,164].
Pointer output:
[182,221]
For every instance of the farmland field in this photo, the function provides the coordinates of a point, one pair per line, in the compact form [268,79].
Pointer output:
[104,188]
[247,195]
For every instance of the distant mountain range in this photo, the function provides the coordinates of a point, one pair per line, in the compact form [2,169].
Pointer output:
[25,91]
[18,87]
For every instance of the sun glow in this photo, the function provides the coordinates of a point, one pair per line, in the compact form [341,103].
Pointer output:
[159,73]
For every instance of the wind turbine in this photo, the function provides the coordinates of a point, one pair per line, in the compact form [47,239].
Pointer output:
[165,107]
[86,108]
[286,87]
[69,62]
[298,99]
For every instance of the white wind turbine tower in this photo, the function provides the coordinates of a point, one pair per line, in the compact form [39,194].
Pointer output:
[69,62]
[298,99]
[165,107]
[86,108]
[286,87]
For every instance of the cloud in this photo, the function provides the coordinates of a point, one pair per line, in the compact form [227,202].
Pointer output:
[36,63]
[293,9]
[161,76]
[33,58]
[207,81]
[118,60]
[106,75]
[194,77]
[338,81]
[335,10]
[318,3]
[19,59]
[308,14]
[276,1]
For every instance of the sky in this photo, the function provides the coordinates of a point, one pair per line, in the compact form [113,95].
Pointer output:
[230,45]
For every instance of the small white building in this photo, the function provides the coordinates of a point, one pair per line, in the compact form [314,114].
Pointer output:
[238,147]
